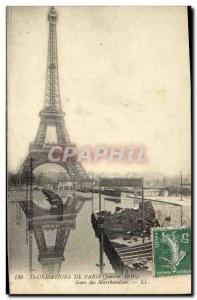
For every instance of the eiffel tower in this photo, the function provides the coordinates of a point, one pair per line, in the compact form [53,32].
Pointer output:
[52,114]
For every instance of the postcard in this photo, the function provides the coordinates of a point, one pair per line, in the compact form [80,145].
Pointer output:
[99,192]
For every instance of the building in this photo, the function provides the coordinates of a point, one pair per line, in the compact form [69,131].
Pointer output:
[153,192]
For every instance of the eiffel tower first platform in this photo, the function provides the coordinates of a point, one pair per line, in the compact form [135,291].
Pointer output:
[52,114]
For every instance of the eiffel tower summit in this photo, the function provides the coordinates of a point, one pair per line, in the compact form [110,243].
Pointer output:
[52,114]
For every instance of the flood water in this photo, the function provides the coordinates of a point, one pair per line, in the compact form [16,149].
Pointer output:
[81,251]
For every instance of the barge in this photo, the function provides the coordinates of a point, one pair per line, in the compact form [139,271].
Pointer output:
[126,242]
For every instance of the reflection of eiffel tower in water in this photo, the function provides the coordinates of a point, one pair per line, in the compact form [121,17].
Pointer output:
[52,115]
[42,222]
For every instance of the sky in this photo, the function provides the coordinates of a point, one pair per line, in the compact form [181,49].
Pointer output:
[124,79]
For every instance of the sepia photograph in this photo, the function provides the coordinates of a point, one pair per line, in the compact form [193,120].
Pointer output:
[99,150]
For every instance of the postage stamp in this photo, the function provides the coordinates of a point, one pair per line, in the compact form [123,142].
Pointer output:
[171,251]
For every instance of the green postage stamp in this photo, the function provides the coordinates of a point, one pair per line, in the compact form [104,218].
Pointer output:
[171,251]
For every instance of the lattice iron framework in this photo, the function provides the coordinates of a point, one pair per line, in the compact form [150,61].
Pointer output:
[52,113]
